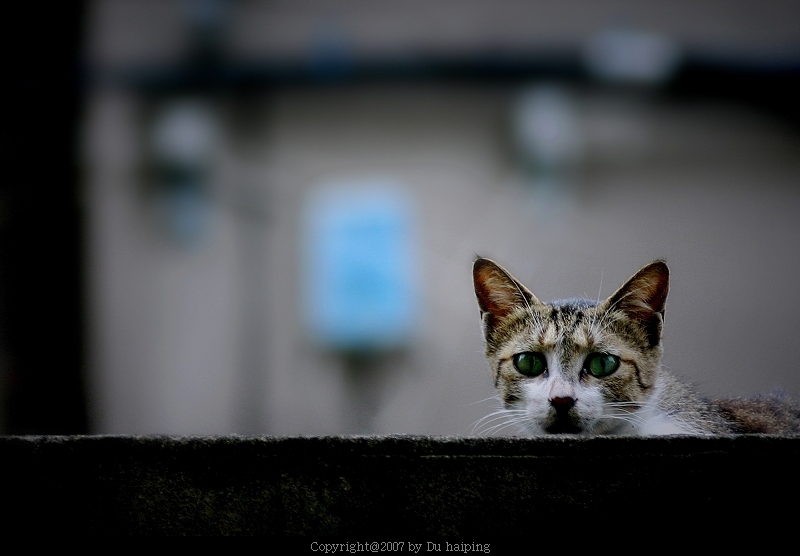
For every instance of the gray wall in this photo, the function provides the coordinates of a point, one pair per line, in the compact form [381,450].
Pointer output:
[207,337]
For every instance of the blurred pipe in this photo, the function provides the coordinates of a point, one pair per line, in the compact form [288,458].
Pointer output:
[253,338]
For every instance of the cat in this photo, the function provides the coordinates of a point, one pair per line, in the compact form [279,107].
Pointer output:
[594,368]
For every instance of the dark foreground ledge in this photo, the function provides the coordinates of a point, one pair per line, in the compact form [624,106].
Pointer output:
[383,486]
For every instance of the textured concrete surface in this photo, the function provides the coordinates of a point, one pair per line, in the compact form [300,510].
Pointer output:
[383,486]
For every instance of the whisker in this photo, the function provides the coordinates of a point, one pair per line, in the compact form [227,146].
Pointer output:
[504,425]
[600,289]
[495,397]
[500,415]
[500,418]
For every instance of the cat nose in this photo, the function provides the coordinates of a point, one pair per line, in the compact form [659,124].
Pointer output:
[562,403]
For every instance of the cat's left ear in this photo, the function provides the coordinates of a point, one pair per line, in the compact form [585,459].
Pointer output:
[499,293]
[643,299]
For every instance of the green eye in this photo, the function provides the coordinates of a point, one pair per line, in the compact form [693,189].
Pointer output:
[601,364]
[530,363]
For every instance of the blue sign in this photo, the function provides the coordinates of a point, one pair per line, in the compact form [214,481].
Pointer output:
[360,267]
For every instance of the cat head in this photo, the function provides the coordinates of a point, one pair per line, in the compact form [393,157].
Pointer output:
[572,366]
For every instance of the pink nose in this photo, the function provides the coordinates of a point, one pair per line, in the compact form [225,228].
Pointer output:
[562,404]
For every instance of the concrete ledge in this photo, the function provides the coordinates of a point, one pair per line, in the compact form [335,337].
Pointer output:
[382,486]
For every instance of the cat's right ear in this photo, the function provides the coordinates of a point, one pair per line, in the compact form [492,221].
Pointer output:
[499,294]
[643,299]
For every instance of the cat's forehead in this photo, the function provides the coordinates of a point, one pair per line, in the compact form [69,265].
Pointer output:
[573,304]
[565,310]
[564,322]
[562,318]
[569,324]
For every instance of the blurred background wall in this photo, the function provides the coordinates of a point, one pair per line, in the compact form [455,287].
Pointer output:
[261,215]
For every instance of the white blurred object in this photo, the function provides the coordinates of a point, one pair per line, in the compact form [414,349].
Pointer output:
[184,138]
[185,133]
[547,131]
[632,56]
